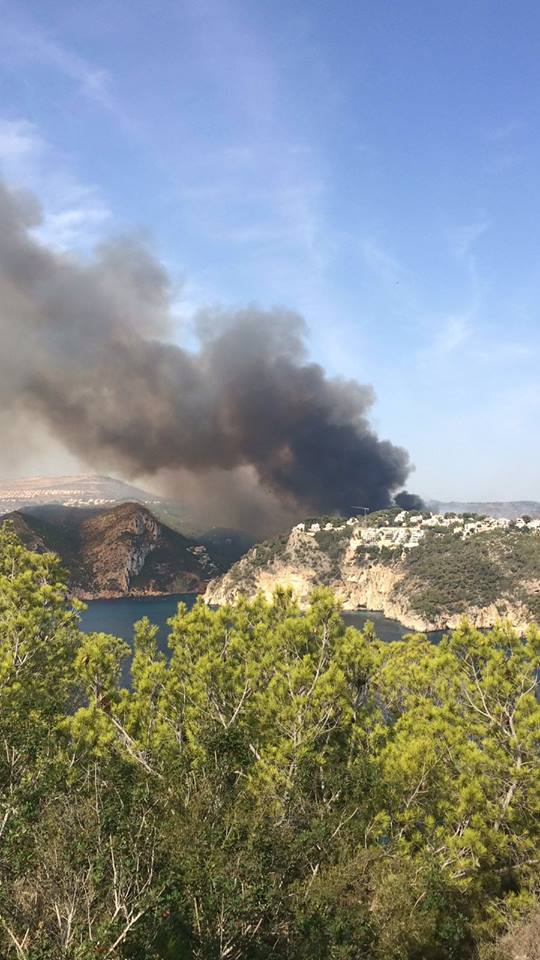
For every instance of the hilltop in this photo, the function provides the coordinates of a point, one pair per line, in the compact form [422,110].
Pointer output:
[33,495]
[501,509]
[83,490]
[426,570]
[89,491]
[117,551]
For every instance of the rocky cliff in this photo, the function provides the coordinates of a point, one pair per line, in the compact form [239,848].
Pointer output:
[119,551]
[425,570]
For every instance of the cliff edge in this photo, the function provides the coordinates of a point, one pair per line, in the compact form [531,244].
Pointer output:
[426,570]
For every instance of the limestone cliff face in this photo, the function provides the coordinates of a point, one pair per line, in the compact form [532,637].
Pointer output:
[375,569]
[117,552]
[372,589]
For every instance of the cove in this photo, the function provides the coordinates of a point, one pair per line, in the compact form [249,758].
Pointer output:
[118,616]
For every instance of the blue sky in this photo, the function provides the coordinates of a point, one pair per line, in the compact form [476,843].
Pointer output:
[371,164]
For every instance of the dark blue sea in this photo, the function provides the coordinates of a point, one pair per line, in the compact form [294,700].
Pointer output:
[118,616]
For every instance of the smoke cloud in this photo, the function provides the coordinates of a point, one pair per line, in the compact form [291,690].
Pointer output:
[244,419]
[409,501]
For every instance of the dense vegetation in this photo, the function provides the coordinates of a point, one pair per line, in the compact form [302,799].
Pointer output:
[450,573]
[282,786]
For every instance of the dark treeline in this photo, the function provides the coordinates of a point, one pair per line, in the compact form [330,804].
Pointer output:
[281,786]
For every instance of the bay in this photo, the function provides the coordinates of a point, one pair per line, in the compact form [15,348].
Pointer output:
[118,617]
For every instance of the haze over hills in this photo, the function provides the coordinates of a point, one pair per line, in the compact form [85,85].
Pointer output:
[92,490]
[512,509]
[426,570]
[84,490]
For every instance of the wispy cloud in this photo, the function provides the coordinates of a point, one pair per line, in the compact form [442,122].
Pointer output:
[504,131]
[465,338]
[276,212]
[30,45]
[258,183]
[19,142]
[505,162]
[454,332]
[505,146]
[24,44]
[386,267]
[464,238]
[464,241]
[74,212]
[75,225]
[507,352]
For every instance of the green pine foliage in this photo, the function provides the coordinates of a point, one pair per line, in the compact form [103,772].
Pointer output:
[281,786]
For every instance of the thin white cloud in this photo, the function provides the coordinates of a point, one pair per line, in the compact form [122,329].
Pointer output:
[276,206]
[264,187]
[25,44]
[74,212]
[464,238]
[71,227]
[504,131]
[454,333]
[506,352]
[505,162]
[464,338]
[386,267]
[19,142]
[29,45]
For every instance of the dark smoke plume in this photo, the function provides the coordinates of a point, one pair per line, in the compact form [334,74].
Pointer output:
[409,501]
[85,352]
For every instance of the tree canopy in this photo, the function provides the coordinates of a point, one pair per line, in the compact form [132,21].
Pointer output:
[281,785]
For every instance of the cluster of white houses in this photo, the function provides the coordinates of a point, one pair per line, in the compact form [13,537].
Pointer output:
[406,529]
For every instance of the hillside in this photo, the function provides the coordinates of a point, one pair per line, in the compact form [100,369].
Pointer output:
[34,494]
[84,490]
[426,570]
[90,491]
[118,551]
[508,509]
